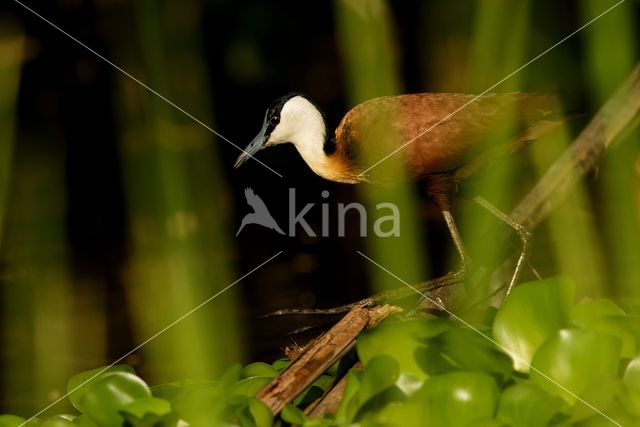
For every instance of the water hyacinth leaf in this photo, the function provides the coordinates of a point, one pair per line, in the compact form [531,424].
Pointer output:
[458,398]
[8,420]
[110,394]
[432,361]
[200,404]
[530,314]
[84,421]
[409,384]
[589,310]
[58,421]
[398,340]
[527,405]
[626,329]
[147,405]
[578,363]
[349,403]
[79,383]
[167,391]
[470,351]
[631,387]
[280,364]
[293,415]
[379,374]
[258,369]
[248,387]
[261,413]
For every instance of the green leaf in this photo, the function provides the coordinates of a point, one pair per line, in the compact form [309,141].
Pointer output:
[11,420]
[147,405]
[202,405]
[578,363]
[293,415]
[591,309]
[258,369]
[109,394]
[79,383]
[626,329]
[527,405]
[631,387]
[280,364]
[379,374]
[261,413]
[83,421]
[399,340]
[349,404]
[467,350]
[249,387]
[530,314]
[457,399]
[59,421]
[167,391]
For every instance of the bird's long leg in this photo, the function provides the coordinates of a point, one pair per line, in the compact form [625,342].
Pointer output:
[465,262]
[521,231]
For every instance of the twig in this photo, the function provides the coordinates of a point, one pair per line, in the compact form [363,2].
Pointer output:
[320,354]
[329,402]
[583,155]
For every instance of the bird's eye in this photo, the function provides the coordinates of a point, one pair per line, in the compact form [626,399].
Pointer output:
[274,120]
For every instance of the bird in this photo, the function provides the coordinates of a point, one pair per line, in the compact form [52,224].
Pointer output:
[260,214]
[442,139]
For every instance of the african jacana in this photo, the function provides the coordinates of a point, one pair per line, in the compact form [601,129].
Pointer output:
[444,138]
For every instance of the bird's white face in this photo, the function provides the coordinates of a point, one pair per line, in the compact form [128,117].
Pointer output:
[291,119]
[300,123]
[297,120]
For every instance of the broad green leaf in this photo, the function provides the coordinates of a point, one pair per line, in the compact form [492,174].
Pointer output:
[258,369]
[166,391]
[529,315]
[380,373]
[589,310]
[109,394]
[261,413]
[147,405]
[58,421]
[626,329]
[11,420]
[293,415]
[527,405]
[79,383]
[399,340]
[631,387]
[83,421]
[458,399]
[248,387]
[349,403]
[576,363]
[409,384]
[280,364]
[469,351]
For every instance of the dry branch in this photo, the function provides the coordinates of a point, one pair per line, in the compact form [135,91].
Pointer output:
[321,354]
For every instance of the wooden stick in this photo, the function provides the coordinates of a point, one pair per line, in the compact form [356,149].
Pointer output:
[583,155]
[329,402]
[320,354]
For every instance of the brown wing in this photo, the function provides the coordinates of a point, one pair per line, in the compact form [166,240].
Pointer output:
[446,130]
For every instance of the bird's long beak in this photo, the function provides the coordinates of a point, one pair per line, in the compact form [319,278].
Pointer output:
[256,145]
